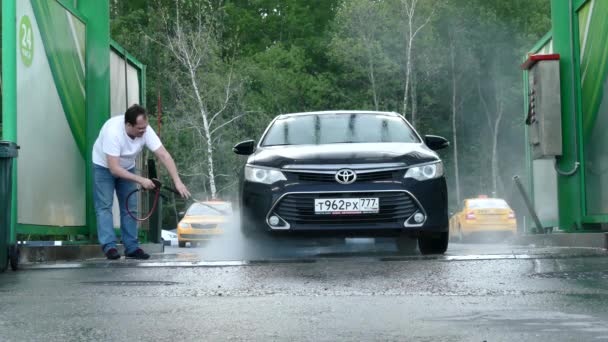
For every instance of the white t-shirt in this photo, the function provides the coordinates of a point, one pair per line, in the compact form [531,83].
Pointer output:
[114,141]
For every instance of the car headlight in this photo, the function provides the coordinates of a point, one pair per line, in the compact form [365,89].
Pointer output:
[263,175]
[184,225]
[425,172]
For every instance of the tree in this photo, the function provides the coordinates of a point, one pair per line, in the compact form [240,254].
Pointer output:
[411,31]
[210,84]
[359,26]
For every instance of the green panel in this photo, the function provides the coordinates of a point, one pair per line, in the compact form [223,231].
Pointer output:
[540,44]
[141,68]
[583,20]
[594,64]
[578,3]
[122,52]
[50,230]
[595,219]
[594,104]
[569,187]
[66,66]
[98,83]
[9,93]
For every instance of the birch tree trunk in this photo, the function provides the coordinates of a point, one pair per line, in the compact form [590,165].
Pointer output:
[494,126]
[409,7]
[206,131]
[414,96]
[454,127]
[495,173]
[372,76]
[192,45]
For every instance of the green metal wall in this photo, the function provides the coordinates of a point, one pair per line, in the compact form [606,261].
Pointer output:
[95,110]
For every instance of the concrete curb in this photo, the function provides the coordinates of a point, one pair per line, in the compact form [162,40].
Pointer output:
[31,254]
[591,240]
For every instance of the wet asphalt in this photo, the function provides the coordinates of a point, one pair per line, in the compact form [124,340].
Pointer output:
[361,290]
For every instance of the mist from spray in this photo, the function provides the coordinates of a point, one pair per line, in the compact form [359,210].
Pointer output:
[232,245]
[489,106]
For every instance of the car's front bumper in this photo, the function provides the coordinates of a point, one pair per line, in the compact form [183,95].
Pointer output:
[191,234]
[293,203]
[498,227]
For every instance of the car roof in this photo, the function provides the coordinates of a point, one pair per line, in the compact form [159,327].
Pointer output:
[283,116]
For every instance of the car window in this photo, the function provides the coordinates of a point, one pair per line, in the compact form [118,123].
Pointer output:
[215,209]
[339,128]
[487,204]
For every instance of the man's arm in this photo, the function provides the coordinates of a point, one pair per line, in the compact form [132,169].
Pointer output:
[118,171]
[167,160]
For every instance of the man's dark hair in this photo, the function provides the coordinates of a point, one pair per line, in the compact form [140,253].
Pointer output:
[133,112]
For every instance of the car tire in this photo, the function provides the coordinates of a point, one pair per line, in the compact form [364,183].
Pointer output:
[14,256]
[435,243]
[250,229]
[181,244]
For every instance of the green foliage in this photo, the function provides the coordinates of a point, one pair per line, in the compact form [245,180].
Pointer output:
[293,55]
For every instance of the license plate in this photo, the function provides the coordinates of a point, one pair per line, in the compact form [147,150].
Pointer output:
[346,206]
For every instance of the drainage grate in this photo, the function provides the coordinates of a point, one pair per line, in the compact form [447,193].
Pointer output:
[130,283]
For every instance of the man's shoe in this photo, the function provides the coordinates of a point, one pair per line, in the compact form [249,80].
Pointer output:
[112,254]
[139,254]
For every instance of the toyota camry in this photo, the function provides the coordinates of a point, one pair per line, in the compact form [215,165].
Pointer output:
[346,174]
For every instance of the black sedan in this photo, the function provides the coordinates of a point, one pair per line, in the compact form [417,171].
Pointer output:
[346,174]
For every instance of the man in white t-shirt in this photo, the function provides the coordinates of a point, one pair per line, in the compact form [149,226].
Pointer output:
[120,141]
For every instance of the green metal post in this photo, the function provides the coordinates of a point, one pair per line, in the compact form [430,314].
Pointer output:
[569,187]
[97,87]
[9,94]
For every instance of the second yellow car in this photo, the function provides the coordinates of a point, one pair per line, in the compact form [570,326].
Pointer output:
[483,216]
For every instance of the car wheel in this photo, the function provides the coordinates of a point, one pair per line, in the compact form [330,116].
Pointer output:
[405,244]
[435,243]
[251,229]
[181,244]
[4,266]
[14,255]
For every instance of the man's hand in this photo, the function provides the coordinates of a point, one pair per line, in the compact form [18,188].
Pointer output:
[167,160]
[183,191]
[147,184]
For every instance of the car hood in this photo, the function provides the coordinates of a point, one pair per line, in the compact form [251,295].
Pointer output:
[355,154]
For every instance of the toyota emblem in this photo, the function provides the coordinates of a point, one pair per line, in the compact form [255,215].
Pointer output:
[346,176]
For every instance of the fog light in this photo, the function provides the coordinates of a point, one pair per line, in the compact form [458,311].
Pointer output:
[419,217]
[273,220]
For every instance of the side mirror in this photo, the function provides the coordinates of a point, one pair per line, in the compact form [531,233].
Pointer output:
[181,214]
[244,148]
[435,142]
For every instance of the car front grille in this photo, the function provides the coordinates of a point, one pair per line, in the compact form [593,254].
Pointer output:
[330,178]
[193,236]
[395,207]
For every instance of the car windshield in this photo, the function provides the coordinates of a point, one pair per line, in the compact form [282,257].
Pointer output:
[487,204]
[209,209]
[316,129]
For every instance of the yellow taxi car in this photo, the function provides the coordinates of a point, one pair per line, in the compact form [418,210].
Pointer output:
[202,221]
[483,216]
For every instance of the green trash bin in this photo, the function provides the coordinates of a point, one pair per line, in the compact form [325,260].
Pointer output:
[8,251]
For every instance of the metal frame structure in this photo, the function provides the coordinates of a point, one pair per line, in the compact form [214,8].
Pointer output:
[95,16]
[565,39]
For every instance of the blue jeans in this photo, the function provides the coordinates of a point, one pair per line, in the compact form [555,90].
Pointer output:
[104,184]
